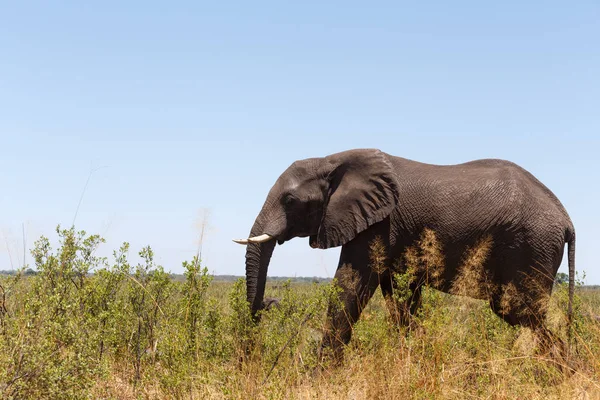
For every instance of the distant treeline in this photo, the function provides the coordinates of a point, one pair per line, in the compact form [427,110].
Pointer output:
[216,278]
[561,277]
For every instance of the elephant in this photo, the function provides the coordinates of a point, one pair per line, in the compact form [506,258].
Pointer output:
[489,214]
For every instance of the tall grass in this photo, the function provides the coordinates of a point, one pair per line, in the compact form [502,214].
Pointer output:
[130,331]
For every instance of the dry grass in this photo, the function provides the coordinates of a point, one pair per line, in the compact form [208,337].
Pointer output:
[460,351]
[472,279]
[426,258]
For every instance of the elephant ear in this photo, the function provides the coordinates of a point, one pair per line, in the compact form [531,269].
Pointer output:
[363,190]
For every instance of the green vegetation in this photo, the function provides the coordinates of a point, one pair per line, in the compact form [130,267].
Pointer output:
[81,326]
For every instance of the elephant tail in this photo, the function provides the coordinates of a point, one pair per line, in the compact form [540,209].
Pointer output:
[570,239]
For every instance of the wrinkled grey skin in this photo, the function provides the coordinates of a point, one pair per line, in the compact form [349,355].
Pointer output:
[350,198]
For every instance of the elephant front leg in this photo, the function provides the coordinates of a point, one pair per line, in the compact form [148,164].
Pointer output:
[357,287]
[402,303]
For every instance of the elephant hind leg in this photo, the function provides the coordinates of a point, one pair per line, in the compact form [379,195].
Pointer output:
[523,286]
[521,304]
[525,304]
[556,348]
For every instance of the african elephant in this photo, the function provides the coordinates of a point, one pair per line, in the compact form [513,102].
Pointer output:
[491,210]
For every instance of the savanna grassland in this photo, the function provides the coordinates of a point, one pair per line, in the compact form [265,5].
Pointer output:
[88,327]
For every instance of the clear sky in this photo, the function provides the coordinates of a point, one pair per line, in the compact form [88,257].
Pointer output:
[201,105]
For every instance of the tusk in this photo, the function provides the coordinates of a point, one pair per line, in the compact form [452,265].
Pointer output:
[261,238]
[256,239]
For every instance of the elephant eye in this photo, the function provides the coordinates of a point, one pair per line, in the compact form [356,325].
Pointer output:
[289,199]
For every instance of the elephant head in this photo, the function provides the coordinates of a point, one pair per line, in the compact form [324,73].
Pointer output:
[329,199]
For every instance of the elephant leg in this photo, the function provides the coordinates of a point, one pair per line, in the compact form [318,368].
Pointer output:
[358,283]
[401,310]
[415,302]
[524,301]
[358,286]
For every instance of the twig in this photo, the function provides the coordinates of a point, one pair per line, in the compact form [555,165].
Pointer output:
[204,225]
[24,244]
[83,192]
[3,309]
[12,266]
[286,345]
[145,290]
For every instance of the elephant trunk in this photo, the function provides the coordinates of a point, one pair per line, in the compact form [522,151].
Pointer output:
[258,255]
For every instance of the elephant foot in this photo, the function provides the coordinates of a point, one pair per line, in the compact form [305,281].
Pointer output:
[321,370]
[556,351]
[331,354]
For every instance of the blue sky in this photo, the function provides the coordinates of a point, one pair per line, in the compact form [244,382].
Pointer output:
[192,106]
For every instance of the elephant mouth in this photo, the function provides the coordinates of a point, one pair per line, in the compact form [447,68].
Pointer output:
[314,242]
[286,236]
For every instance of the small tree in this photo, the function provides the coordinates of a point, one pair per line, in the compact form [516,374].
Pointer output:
[561,278]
